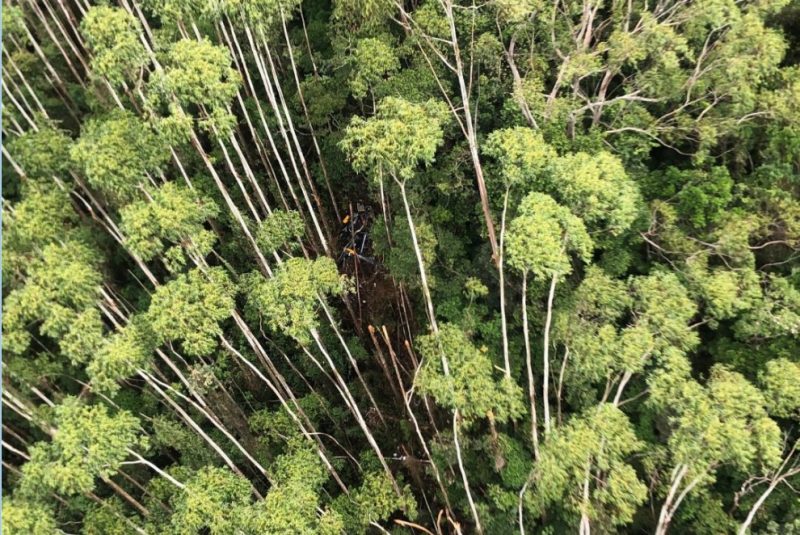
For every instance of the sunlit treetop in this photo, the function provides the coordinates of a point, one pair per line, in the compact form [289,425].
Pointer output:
[189,309]
[780,383]
[362,14]
[260,14]
[113,38]
[289,300]
[13,22]
[88,443]
[42,153]
[596,188]
[726,292]
[43,216]
[373,501]
[373,60]
[516,11]
[662,304]
[602,439]
[521,153]
[23,517]
[116,151]
[174,126]
[292,502]
[199,73]
[400,136]
[83,336]
[279,228]
[543,234]
[725,422]
[120,355]
[471,387]
[108,518]
[777,315]
[215,499]
[60,284]
[170,12]
[173,216]
[600,297]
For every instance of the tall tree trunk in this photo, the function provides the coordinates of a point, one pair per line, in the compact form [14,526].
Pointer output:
[529,366]
[500,265]
[546,355]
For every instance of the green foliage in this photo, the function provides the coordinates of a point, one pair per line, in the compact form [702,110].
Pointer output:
[170,434]
[190,308]
[120,356]
[289,300]
[260,14]
[373,501]
[724,423]
[516,11]
[649,155]
[396,139]
[83,337]
[522,154]
[362,13]
[60,284]
[470,387]
[278,228]
[41,217]
[43,152]
[22,517]
[88,442]
[596,442]
[780,382]
[727,293]
[541,236]
[291,505]
[399,257]
[596,188]
[373,59]
[115,153]
[13,21]
[702,200]
[214,499]
[273,426]
[777,315]
[663,305]
[172,217]
[198,73]
[113,38]
[107,518]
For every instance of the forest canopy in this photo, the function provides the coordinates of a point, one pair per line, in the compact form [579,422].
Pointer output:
[429,266]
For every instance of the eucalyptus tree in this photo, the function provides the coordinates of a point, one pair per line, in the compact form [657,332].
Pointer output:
[169,252]
[86,443]
[116,153]
[169,223]
[399,137]
[522,154]
[583,472]
[190,308]
[540,241]
[113,38]
[724,423]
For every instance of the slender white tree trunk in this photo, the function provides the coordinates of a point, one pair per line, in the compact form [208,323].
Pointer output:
[529,366]
[426,292]
[472,507]
[546,355]
[500,264]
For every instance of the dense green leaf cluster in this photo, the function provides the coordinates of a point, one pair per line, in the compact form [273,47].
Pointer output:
[362,266]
